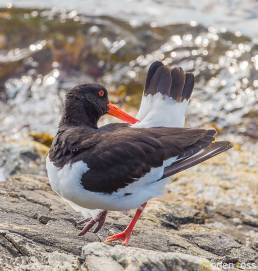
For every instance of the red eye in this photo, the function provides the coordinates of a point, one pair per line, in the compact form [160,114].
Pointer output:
[101,93]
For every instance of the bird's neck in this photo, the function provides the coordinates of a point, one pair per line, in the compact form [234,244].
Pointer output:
[77,114]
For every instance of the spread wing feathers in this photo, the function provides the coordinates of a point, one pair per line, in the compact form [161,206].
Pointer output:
[173,83]
[165,97]
[152,69]
[198,157]
[125,156]
[158,81]
[188,86]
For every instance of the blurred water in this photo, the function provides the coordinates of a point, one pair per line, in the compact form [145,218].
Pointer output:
[235,15]
[45,52]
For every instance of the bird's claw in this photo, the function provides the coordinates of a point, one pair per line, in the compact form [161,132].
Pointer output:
[124,236]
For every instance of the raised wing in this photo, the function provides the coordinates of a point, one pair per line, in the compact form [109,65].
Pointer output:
[165,98]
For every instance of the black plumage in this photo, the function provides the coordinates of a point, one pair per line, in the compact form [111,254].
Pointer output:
[118,156]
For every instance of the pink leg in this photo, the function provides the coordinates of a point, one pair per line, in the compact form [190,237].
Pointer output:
[126,234]
[100,219]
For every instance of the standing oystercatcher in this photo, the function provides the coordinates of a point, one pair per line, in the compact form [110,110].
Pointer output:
[121,166]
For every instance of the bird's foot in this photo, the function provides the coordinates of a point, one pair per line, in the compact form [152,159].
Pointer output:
[124,236]
[90,222]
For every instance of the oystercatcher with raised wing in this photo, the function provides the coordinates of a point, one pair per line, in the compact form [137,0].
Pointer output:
[121,166]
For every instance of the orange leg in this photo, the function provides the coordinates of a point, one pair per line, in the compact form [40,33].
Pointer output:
[126,234]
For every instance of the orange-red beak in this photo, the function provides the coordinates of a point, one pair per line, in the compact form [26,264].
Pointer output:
[113,110]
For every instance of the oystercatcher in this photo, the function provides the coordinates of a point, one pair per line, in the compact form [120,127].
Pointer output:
[121,166]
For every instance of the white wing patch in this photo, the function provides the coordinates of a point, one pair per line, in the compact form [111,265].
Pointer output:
[160,111]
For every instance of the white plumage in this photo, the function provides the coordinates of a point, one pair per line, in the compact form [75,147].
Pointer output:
[160,111]
[67,183]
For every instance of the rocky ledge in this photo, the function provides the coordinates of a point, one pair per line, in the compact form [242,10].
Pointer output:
[208,220]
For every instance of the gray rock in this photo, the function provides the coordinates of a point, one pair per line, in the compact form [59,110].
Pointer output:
[179,215]
[135,259]
[18,158]
[215,242]
[38,232]
[98,263]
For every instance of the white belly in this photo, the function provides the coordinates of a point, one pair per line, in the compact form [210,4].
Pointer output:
[67,183]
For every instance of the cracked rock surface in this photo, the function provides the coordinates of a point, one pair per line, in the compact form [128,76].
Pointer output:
[208,217]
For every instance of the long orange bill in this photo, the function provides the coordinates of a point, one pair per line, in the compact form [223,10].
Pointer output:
[113,110]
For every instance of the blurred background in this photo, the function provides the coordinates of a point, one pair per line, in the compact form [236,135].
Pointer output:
[47,47]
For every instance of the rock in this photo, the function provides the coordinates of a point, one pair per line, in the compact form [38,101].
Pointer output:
[21,253]
[96,263]
[215,242]
[38,230]
[250,220]
[179,215]
[21,157]
[135,259]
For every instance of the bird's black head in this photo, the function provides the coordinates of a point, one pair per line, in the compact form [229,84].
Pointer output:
[85,104]
[94,97]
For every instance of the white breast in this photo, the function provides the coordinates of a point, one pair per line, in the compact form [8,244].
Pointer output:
[63,180]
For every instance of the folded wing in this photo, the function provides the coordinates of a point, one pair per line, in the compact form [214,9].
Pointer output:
[127,155]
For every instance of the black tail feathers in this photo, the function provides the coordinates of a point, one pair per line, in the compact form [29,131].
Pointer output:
[174,83]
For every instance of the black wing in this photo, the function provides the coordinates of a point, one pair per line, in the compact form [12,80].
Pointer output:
[124,156]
